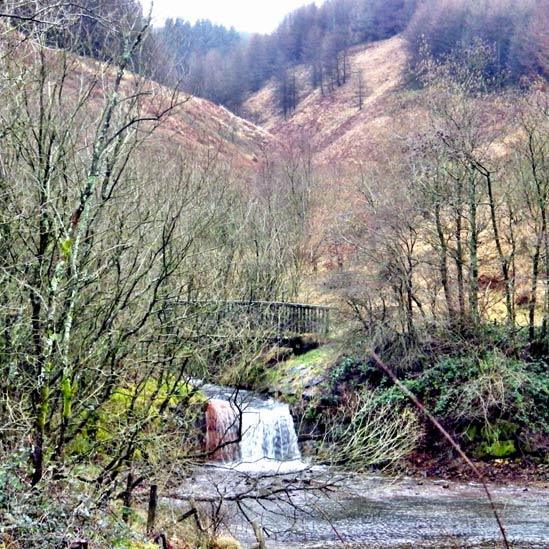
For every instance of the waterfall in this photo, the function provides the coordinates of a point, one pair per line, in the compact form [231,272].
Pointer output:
[268,433]
[267,428]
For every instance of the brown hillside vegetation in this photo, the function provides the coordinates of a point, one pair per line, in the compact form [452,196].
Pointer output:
[205,129]
[343,136]
[193,124]
[201,125]
[373,162]
[343,140]
[333,124]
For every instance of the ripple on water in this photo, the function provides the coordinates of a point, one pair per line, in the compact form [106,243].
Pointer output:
[381,512]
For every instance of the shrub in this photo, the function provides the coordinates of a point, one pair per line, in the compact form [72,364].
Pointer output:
[492,401]
[364,433]
[61,512]
[482,385]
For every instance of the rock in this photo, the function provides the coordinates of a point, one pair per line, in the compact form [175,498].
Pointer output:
[310,389]
[224,542]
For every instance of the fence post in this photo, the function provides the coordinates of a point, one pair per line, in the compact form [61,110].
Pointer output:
[153,502]
[127,499]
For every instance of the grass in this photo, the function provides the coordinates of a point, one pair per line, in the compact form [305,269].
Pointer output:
[318,356]
[292,376]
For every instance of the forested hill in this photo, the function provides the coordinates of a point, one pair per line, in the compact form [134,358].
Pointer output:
[217,64]
[227,70]
[225,66]
[355,123]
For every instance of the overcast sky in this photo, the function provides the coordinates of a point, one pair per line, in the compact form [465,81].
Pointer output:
[244,15]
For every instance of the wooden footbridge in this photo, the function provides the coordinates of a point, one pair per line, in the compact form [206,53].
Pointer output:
[276,319]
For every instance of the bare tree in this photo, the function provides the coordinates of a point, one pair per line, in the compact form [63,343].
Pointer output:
[102,231]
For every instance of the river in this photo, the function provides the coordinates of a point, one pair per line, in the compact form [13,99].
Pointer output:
[305,506]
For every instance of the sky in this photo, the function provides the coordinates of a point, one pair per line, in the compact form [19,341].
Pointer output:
[261,16]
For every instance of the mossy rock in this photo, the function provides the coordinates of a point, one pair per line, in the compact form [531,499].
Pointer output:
[148,398]
[493,441]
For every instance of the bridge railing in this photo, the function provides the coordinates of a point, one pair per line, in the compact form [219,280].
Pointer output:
[280,319]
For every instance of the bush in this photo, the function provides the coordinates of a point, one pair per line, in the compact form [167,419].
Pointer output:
[491,401]
[60,512]
[482,385]
[363,433]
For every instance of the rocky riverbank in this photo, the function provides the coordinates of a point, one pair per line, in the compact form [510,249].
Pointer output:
[316,381]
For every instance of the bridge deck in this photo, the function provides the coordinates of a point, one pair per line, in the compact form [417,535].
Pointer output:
[274,318]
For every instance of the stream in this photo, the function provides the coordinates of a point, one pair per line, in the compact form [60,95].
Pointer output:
[356,510]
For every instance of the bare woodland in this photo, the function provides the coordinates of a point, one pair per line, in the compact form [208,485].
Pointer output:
[467,236]
[101,234]
[109,233]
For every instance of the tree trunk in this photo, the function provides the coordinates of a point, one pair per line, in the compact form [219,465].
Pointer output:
[39,395]
[259,536]
[151,514]
[533,295]
[127,498]
[443,265]
[545,321]
[503,261]
[459,259]
[473,251]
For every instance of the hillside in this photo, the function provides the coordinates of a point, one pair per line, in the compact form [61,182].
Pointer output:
[206,128]
[332,123]
[357,149]
[343,140]
[201,128]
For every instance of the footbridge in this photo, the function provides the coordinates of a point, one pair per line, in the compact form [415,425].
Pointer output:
[276,319]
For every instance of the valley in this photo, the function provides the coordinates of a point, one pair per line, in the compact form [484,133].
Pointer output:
[274,290]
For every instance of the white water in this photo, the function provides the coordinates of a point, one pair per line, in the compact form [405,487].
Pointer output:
[269,440]
[268,433]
